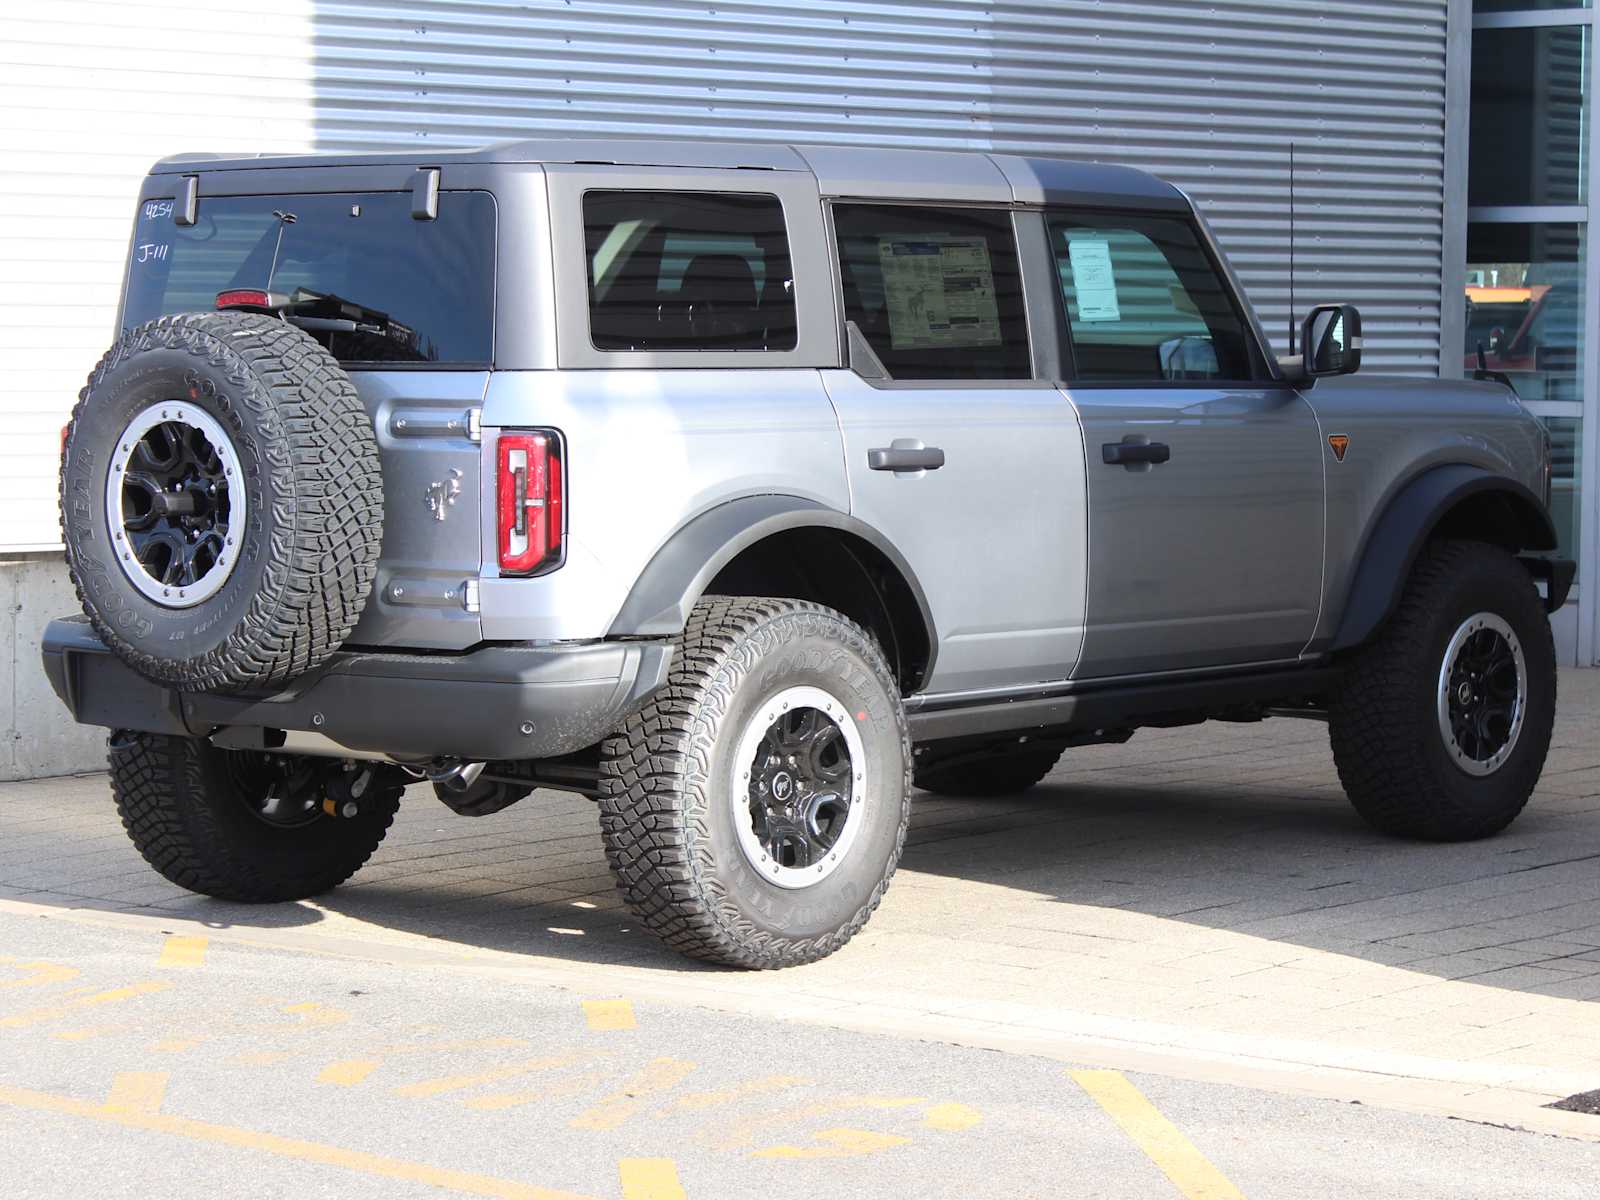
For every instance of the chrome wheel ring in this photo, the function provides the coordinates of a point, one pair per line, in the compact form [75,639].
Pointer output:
[798,791]
[175,503]
[1482,698]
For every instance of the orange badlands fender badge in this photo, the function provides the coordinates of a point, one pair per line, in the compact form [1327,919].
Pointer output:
[1339,443]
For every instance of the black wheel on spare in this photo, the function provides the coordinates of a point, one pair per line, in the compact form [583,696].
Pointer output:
[1003,775]
[754,810]
[1442,724]
[221,501]
[237,825]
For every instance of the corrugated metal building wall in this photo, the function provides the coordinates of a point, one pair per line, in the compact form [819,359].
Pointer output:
[1208,95]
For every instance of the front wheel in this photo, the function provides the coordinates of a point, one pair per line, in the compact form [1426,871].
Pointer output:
[754,810]
[1442,725]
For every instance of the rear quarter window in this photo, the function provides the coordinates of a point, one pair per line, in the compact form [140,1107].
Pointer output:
[417,292]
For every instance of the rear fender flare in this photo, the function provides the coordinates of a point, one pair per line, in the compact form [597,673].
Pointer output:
[681,570]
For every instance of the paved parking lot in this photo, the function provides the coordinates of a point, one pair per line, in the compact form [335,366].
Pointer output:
[1198,905]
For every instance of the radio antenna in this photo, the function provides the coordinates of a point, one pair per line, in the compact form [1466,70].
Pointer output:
[1292,332]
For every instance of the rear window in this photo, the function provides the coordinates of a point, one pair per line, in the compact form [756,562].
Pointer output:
[386,287]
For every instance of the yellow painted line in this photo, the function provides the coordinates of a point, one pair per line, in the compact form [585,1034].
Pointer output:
[349,1072]
[181,951]
[38,1016]
[1190,1171]
[744,1134]
[138,1091]
[609,1014]
[767,1084]
[554,1090]
[657,1075]
[650,1179]
[456,1083]
[838,1143]
[319,1153]
[38,973]
[951,1118]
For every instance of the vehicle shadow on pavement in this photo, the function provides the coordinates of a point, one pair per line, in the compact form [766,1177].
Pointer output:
[1183,851]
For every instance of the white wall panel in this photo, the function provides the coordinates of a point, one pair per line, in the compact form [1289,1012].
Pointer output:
[91,93]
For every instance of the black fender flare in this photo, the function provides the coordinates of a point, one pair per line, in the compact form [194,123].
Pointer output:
[1403,528]
[681,570]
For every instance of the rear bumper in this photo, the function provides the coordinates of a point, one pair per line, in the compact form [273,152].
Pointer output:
[494,703]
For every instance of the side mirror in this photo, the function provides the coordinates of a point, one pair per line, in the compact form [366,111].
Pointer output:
[1331,340]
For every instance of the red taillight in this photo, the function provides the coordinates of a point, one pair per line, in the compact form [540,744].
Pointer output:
[244,298]
[530,489]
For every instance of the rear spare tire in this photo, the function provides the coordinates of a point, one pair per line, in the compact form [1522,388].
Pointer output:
[221,501]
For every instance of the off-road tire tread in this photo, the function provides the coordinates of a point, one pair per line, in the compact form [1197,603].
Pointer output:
[1004,775]
[654,786]
[322,454]
[1376,730]
[164,798]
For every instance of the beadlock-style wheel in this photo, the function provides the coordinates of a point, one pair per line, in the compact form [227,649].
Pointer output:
[170,504]
[799,797]
[1482,695]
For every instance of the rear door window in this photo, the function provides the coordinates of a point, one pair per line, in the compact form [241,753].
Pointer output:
[935,291]
[1145,303]
[391,289]
[688,271]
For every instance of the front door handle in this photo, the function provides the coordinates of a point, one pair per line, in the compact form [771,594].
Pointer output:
[905,458]
[1128,454]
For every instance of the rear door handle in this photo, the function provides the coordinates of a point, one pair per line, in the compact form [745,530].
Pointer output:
[905,458]
[1128,454]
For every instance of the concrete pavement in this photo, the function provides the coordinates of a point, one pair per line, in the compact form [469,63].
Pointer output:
[1202,903]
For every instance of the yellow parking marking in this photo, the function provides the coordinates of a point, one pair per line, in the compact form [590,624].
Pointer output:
[951,1118]
[349,1072]
[38,973]
[1189,1170]
[571,1085]
[181,951]
[456,1083]
[742,1135]
[609,1014]
[650,1179]
[38,1016]
[320,1153]
[657,1075]
[697,1101]
[138,1091]
[837,1143]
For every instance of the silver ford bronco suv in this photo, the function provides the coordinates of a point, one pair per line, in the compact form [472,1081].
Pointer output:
[741,488]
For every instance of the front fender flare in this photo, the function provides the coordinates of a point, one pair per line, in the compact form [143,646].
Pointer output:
[681,570]
[1403,528]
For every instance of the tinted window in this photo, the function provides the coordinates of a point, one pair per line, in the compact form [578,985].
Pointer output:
[416,291]
[935,290]
[1145,302]
[688,271]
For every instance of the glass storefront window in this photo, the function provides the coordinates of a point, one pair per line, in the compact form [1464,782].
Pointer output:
[1524,306]
[1487,6]
[1529,116]
[1566,458]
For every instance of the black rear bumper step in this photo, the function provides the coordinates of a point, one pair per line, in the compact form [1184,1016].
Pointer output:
[496,703]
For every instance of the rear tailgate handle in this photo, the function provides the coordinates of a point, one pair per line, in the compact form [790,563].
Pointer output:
[905,458]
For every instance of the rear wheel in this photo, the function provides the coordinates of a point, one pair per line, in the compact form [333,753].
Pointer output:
[243,826]
[1441,728]
[754,810]
[1004,775]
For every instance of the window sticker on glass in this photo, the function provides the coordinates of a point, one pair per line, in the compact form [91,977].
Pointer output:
[939,290]
[1095,282]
